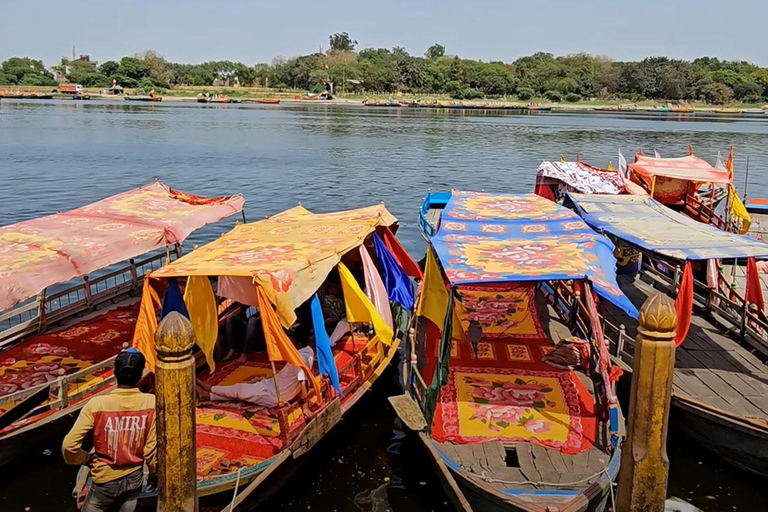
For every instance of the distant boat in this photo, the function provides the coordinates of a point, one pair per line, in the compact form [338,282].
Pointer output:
[727,111]
[80,97]
[215,98]
[539,108]
[753,111]
[269,101]
[681,109]
[631,107]
[607,109]
[139,97]
[25,96]
[661,110]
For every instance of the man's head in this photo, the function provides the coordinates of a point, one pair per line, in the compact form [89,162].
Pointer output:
[129,366]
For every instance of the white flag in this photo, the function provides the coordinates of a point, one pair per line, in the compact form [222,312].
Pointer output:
[657,154]
[623,169]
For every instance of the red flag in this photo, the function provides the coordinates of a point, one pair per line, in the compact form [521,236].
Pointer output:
[684,305]
[411,267]
[754,292]
[690,150]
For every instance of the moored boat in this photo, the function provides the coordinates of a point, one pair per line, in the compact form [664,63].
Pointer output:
[64,317]
[659,110]
[537,107]
[681,109]
[269,101]
[510,424]
[140,97]
[215,98]
[731,111]
[285,265]
[720,371]
[631,107]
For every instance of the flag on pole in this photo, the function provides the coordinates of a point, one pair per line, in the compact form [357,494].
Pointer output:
[729,164]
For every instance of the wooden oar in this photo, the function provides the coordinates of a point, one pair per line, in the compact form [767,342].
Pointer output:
[20,410]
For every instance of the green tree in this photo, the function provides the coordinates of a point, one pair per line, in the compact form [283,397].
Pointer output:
[525,93]
[554,96]
[23,70]
[133,68]
[435,51]
[717,94]
[342,41]
[109,68]
[572,97]
[157,67]
[748,92]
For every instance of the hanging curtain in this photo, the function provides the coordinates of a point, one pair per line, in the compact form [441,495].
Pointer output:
[325,360]
[360,308]
[374,287]
[173,300]
[201,304]
[238,289]
[544,191]
[279,346]
[393,244]
[399,286]
[433,299]
[684,305]
[443,361]
[146,323]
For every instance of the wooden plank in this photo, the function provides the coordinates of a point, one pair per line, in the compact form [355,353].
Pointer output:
[556,458]
[317,428]
[495,454]
[698,388]
[758,382]
[580,461]
[751,362]
[744,406]
[761,402]
[542,462]
[714,360]
[525,457]
[734,380]
[716,384]
[454,493]
[683,359]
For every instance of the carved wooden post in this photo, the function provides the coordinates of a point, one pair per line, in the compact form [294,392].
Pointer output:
[644,463]
[175,389]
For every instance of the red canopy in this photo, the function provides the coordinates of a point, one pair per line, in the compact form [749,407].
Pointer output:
[42,252]
[688,168]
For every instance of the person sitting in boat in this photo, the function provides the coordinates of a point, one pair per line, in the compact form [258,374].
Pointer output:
[291,382]
[124,439]
[243,335]
[334,310]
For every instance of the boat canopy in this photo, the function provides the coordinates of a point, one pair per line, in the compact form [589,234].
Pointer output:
[42,252]
[289,254]
[687,168]
[523,237]
[649,225]
[581,177]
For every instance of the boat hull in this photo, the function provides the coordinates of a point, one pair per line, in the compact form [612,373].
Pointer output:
[743,446]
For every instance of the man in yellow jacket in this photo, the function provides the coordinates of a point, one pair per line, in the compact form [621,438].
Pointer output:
[124,439]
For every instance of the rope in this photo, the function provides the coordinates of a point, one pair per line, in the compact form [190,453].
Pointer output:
[234,494]
[536,483]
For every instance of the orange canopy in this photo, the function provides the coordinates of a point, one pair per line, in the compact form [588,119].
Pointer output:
[688,168]
[42,252]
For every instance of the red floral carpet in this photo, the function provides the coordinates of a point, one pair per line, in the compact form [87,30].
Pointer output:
[44,358]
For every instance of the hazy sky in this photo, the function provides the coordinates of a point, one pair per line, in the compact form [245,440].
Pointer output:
[257,31]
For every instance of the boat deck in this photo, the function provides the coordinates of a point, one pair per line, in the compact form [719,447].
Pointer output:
[710,367]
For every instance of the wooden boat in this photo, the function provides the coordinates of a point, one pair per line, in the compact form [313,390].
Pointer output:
[752,111]
[249,448]
[606,109]
[63,317]
[269,101]
[215,98]
[464,390]
[81,97]
[660,110]
[721,376]
[25,95]
[138,97]
[628,108]
[535,107]
[681,109]
[732,111]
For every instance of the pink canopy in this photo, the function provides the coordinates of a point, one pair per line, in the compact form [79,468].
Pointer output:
[688,168]
[42,252]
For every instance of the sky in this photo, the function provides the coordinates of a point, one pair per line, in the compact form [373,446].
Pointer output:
[252,31]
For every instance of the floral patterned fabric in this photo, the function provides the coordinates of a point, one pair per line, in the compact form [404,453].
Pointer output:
[580,177]
[39,253]
[523,237]
[501,310]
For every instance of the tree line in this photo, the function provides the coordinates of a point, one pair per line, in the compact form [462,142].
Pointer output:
[394,70]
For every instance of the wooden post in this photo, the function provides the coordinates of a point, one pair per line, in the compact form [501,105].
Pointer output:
[175,389]
[644,463]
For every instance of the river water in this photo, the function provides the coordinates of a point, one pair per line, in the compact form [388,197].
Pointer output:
[56,155]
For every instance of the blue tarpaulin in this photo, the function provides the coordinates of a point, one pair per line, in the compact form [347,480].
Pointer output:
[325,361]
[649,225]
[398,284]
[173,300]
[523,237]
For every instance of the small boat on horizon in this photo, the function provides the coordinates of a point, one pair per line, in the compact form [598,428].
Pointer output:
[268,101]
[732,111]
[138,97]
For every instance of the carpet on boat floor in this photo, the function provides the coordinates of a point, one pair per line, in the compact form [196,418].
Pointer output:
[45,357]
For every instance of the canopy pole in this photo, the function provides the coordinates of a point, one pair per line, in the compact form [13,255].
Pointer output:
[653,186]
[274,379]
[746,181]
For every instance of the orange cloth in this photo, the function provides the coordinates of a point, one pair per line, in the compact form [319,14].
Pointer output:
[393,244]
[754,292]
[146,324]
[684,305]
[690,150]
[729,164]
[279,346]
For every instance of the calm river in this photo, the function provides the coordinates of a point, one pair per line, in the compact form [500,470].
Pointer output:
[56,155]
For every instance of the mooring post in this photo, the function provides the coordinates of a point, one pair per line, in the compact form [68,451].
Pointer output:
[644,463]
[175,389]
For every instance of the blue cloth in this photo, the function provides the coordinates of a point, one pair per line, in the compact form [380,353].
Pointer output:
[398,284]
[325,361]
[174,300]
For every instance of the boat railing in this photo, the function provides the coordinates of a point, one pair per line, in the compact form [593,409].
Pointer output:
[60,395]
[48,308]
[731,311]
[696,209]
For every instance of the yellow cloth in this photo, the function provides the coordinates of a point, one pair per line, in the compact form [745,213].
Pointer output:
[433,300]
[146,323]
[288,255]
[201,306]
[739,210]
[360,308]
[279,346]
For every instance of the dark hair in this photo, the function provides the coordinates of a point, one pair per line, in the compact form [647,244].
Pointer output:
[129,366]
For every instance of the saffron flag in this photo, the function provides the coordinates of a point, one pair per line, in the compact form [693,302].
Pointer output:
[729,164]
[201,305]
[146,323]
[279,346]
[433,299]
[393,244]
[374,287]
[754,291]
[690,150]
[325,360]
[360,308]
[684,305]
[398,284]
[173,300]
[738,209]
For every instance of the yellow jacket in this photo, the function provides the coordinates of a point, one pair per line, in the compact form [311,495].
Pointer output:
[124,434]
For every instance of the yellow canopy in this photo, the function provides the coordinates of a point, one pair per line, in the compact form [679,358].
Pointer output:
[289,254]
